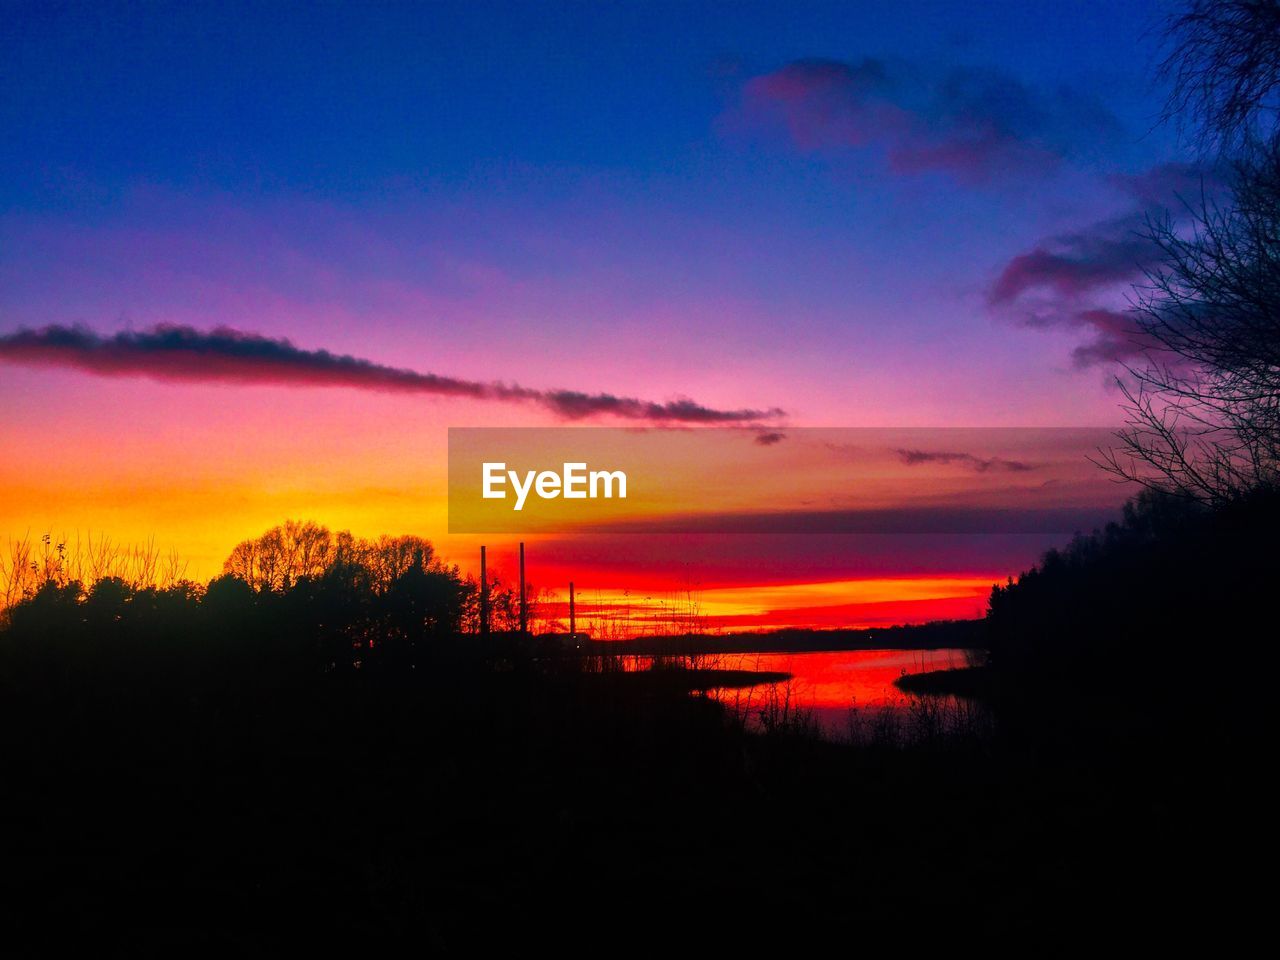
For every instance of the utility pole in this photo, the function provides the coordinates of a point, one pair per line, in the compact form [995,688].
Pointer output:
[484,596]
[573,620]
[524,602]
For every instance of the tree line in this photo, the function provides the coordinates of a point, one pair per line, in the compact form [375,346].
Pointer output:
[299,594]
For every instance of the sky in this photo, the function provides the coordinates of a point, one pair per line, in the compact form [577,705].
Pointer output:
[256,259]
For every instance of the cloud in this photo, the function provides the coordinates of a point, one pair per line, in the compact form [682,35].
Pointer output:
[806,557]
[1070,266]
[769,438]
[1117,337]
[228,356]
[1169,184]
[914,458]
[971,123]
[915,520]
[1083,279]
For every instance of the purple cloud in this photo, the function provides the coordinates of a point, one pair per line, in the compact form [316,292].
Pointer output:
[971,124]
[1117,337]
[227,356]
[1080,280]
[1071,266]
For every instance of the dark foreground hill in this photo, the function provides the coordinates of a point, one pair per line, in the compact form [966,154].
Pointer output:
[264,773]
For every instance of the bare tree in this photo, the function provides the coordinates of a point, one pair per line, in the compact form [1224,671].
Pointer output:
[1204,410]
[1224,67]
[282,556]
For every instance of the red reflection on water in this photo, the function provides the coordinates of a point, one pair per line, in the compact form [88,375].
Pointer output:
[836,678]
[831,683]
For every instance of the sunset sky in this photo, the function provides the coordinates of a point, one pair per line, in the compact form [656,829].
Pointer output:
[256,259]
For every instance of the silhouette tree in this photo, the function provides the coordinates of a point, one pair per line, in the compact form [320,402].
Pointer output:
[1140,597]
[1204,411]
[1224,67]
[282,556]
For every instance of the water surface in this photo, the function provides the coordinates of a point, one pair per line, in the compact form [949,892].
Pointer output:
[831,684]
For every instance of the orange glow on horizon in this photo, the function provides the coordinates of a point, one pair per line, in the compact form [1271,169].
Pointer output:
[199,469]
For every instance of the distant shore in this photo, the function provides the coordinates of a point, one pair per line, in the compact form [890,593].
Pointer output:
[959,634]
[974,682]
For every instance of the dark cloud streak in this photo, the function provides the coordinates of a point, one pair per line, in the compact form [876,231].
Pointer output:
[769,438]
[1082,280]
[228,356]
[1076,264]
[914,458]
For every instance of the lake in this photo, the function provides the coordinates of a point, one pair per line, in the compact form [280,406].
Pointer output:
[827,684]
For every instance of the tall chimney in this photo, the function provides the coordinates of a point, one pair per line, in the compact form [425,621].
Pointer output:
[524,600]
[484,596]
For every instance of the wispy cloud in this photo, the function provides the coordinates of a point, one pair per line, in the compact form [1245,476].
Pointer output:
[968,122]
[1116,336]
[914,458]
[228,356]
[1073,265]
[1082,279]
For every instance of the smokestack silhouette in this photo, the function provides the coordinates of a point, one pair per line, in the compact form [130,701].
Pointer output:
[484,596]
[524,602]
